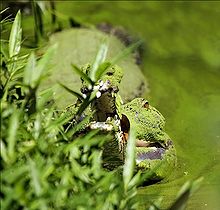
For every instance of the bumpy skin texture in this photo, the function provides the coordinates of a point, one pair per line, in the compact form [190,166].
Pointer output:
[154,150]
[159,153]
[108,103]
[146,120]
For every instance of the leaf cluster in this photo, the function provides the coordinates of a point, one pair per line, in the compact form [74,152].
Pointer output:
[42,166]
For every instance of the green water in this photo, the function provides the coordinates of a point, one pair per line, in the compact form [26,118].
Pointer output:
[182,64]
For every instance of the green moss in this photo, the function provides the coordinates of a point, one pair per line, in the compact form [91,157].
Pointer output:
[146,120]
[114,75]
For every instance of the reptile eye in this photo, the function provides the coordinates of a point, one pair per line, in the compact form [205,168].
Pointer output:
[125,124]
[146,105]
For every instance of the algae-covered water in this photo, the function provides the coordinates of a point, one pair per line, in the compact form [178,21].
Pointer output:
[182,63]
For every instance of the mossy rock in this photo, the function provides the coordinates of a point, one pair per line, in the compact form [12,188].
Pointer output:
[79,47]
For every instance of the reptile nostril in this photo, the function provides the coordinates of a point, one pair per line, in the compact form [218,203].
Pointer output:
[84,90]
[109,73]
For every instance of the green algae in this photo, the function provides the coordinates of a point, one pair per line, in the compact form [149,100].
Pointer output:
[181,62]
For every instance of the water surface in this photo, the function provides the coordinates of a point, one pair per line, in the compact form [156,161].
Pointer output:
[182,64]
[181,61]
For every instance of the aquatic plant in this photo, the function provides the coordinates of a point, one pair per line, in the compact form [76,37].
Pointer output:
[41,167]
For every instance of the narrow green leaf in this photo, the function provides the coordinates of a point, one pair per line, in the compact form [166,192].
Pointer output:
[100,58]
[83,106]
[97,162]
[48,170]
[184,194]
[15,36]
[3,151]
[86,102]
[181,202]
[196,184]
[78,126]
[29,70]
[65,118]
[42,5]
[135,180]
[129,160]
[12,131]
[101,69]
[15,173]
[155,204]
[42,66]
[1,12]
[80,172]
[44,97]
[125,52]
[4,50]
[78,95]
[22,59]
[35,177]
[82,74]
